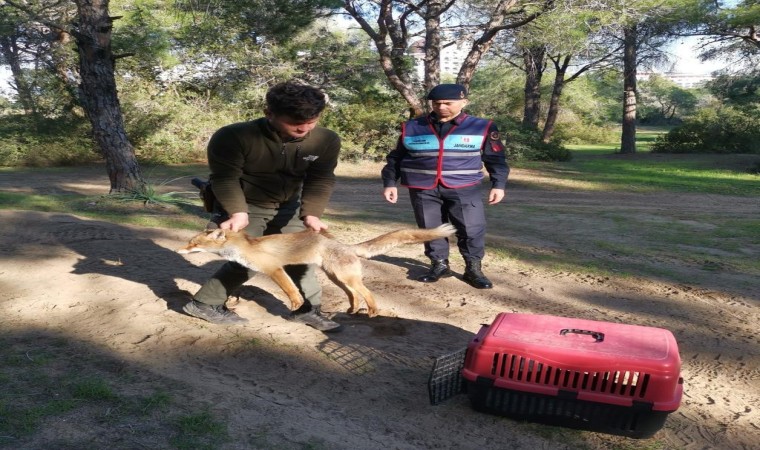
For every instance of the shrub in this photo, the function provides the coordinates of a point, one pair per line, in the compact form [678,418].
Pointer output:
[368,132]
[724,130]
[527,145]
[585,133]
[165,128]
[26,140]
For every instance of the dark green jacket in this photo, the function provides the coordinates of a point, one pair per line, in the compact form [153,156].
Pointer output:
[250,164]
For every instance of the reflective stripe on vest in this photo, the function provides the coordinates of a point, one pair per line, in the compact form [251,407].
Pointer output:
[454,161]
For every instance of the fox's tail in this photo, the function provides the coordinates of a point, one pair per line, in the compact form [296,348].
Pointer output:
[386,242]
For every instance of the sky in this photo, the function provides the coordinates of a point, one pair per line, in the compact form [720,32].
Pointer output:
[5,74]
[684,53]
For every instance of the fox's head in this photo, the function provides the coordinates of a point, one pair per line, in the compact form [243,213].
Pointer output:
[208,241]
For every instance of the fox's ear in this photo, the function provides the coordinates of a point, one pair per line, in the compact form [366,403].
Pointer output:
[217,235]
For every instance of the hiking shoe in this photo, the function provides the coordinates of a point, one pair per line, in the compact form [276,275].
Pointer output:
[218,314]
[314,318]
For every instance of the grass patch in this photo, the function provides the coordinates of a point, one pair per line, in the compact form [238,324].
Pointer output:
[650,172]
[59,394]
[613,241]
[645,137]
[603,167]
[199,431]
[93,389]
[187,214]
[150,194]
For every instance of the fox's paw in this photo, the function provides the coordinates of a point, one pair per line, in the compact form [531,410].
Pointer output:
[295,305]
[372,312]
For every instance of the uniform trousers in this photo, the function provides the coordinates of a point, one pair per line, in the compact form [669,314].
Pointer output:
[462,207]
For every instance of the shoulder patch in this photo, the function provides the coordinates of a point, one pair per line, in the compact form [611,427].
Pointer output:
[494,136]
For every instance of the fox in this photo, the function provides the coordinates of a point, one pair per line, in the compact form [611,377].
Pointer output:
[340,262]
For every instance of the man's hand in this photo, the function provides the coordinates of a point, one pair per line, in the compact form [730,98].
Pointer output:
[495,196]
[314,223]
[391,194]
[236,222]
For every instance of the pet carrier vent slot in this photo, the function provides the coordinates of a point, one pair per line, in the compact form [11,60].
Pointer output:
[548,374]
[521,370]
[512,366]
[515,367]
[584,383]
[615,382]
[644,384]
[623,383]
[566,379]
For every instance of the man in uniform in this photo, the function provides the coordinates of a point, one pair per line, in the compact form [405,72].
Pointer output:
[440,157]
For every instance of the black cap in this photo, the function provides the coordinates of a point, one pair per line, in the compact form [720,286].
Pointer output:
[448,92]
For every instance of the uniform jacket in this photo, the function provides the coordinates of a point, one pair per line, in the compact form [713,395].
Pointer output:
[426,156]
[250,164]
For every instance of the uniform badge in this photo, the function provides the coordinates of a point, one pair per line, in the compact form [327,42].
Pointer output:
[495,136]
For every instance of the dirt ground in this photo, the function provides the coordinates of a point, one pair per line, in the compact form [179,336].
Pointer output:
[120,289]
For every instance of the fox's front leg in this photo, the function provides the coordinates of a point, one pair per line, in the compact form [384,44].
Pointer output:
[286,283]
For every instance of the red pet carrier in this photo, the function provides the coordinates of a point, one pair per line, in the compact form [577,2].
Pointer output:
[598,376]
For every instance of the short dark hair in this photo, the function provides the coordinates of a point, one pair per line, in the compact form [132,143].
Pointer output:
[295,100]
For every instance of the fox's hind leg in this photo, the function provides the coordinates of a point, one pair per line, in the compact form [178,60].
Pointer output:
[353,296]
[286,283]
[356,284]
[353,299]
[348,276]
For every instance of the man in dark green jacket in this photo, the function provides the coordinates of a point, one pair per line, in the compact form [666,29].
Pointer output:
[271,175]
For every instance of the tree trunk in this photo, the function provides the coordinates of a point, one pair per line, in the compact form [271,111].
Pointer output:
[559,85]
[671,113]
[628,137]
[534,70]
[432,46]
[391,56]
[98,94]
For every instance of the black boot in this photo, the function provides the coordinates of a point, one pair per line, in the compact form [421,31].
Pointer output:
[474,276]
[438,269]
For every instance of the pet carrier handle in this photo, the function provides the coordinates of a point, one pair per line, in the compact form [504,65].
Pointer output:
[598,336]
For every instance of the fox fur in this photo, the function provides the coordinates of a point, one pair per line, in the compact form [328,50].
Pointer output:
[341,262]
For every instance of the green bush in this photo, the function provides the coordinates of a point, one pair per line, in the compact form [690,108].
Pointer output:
[585,133]
[367,132]
[724,130]
[526,145]
[166,128]
[26,140]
